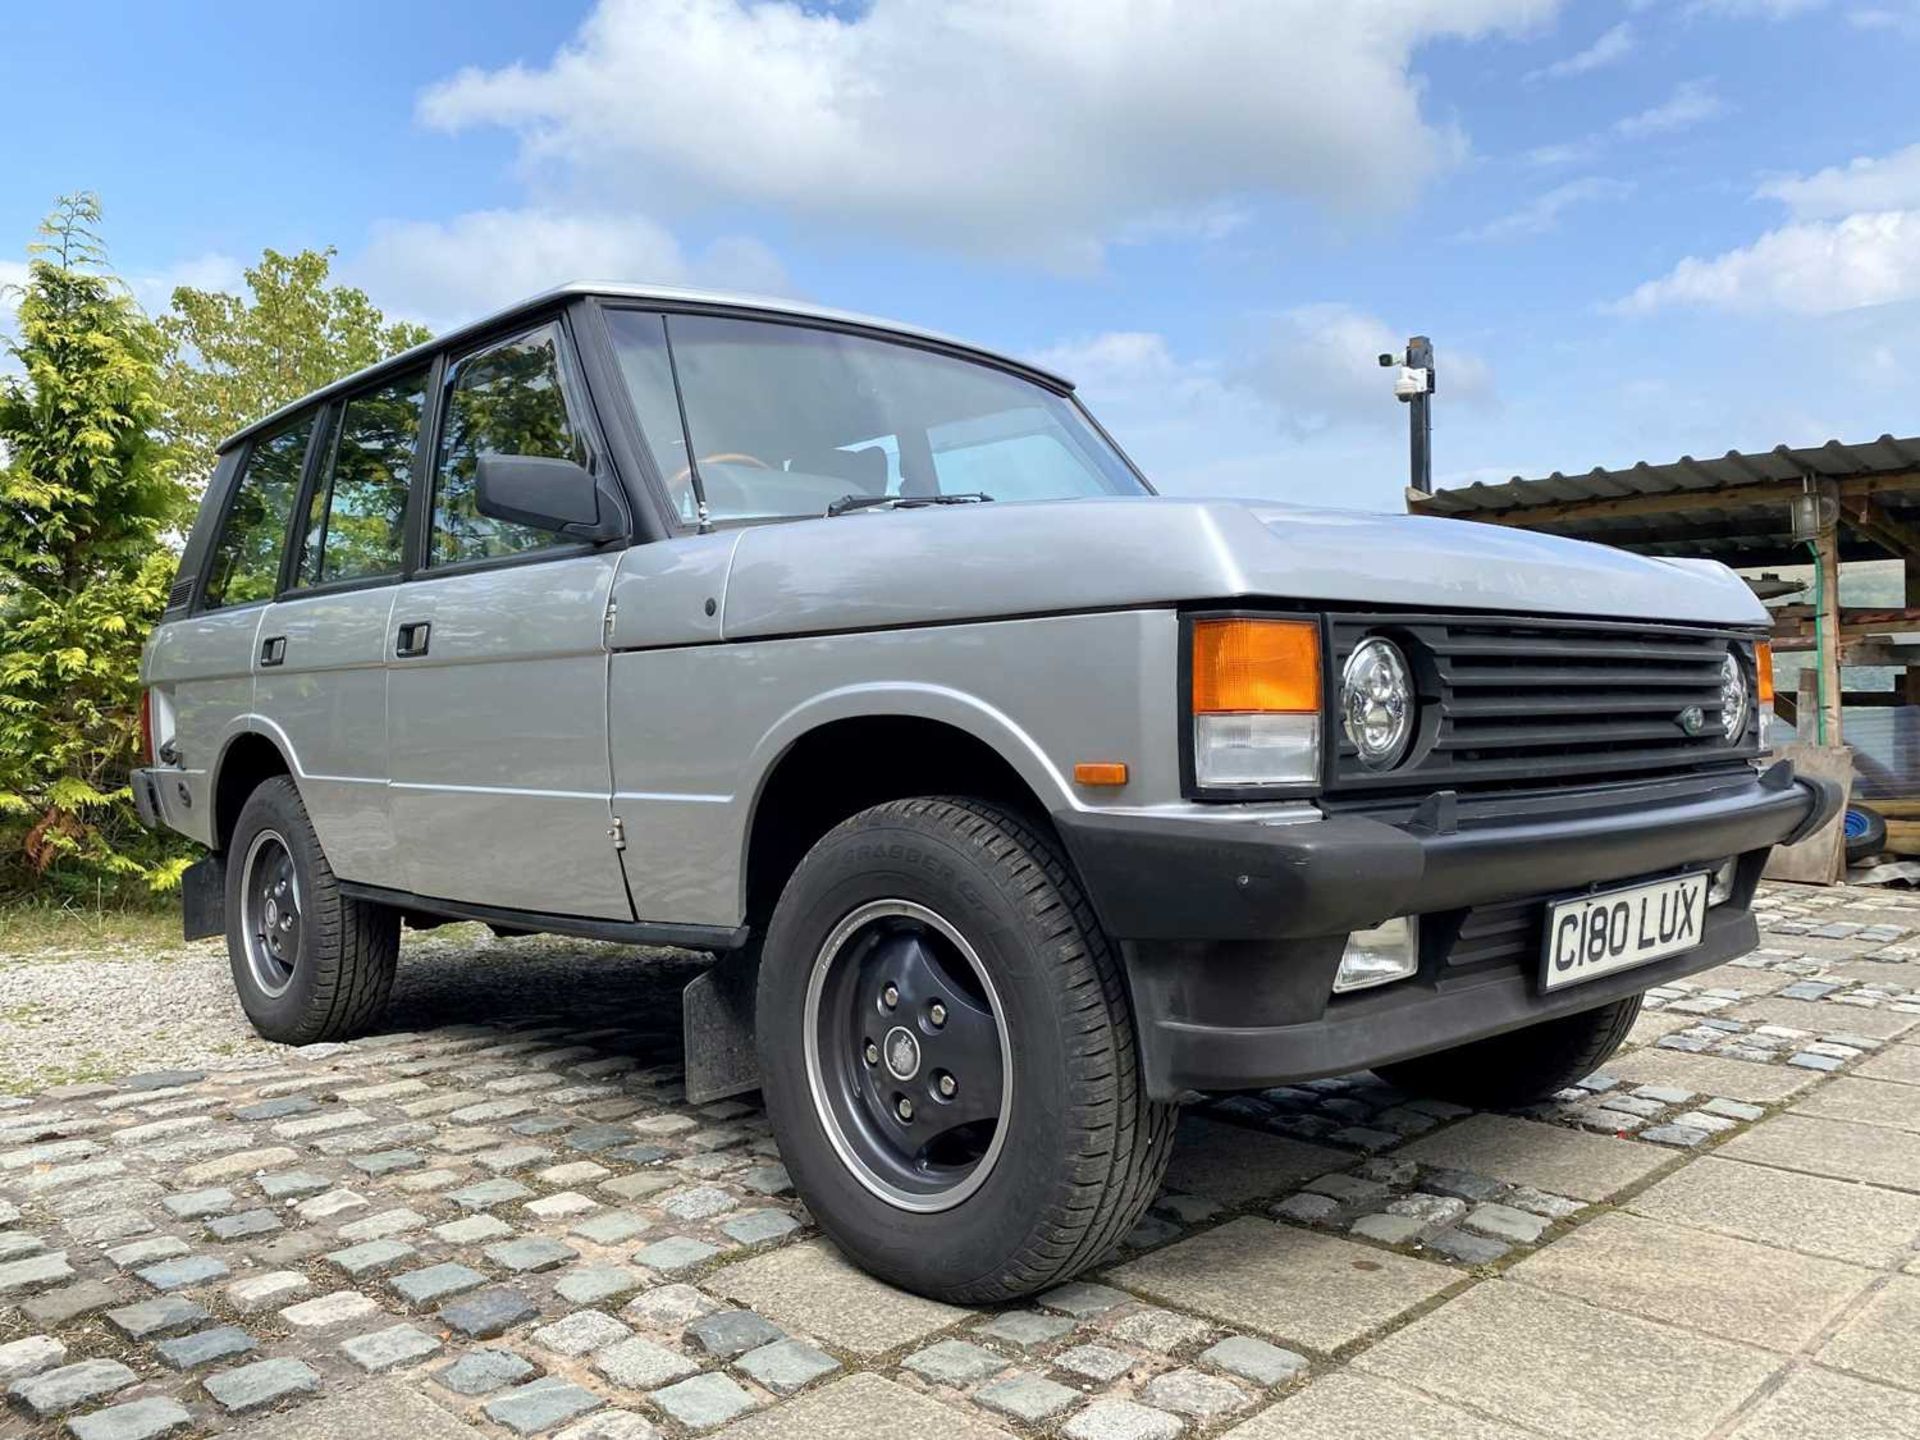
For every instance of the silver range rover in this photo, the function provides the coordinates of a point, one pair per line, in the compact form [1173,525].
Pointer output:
[1015,802]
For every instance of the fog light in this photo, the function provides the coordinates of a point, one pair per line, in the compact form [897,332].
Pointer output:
[1720,884]
[1389,951]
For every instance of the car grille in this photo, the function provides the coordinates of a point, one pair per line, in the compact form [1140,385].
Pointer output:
[1513,703]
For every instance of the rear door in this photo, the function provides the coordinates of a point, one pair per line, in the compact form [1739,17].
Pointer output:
[202,664]
[497,680]
[320,663]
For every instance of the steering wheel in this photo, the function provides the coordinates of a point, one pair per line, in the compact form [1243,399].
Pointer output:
[725,457]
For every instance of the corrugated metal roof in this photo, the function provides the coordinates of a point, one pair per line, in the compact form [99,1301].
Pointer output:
[1740,531]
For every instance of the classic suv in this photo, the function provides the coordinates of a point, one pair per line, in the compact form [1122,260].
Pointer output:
[1015,802]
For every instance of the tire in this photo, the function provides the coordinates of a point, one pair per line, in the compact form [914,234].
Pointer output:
[1866,832]
[331,974]
[1520,1066]
[1068,1163]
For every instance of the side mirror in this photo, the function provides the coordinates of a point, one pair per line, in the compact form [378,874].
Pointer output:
[549,494]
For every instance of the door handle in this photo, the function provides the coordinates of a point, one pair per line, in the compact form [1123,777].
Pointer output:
[273,651]
[414,635]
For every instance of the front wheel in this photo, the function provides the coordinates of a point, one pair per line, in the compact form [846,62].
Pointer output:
[1520,1066]
[308,962]
[948,1054]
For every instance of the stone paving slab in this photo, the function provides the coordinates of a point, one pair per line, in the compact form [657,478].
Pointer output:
[1882,1340]
[810,1288]
[1712,1075]
[1785,1210]
[1344,1406]
[1819,1402]
[1865,1102]
[1817,1018]
[1900,1063]
[1838,1148]
[1300,1288]
[1719,1203]
[1525,1152]
[1234,1165]
[1735,1289]
[861,1407]
[1568,1368]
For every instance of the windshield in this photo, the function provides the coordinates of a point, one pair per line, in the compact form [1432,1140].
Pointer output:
[783,420]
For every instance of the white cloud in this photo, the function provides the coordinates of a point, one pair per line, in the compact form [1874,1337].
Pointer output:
[1810,267]
[212,271]
[443,273]
[1031,127]
[1864,184]
[1304,371]
[1541,215]
[1692,103]
[1755,9]
[1613,46]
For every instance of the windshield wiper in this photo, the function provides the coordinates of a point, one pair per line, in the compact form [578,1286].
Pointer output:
[848,503]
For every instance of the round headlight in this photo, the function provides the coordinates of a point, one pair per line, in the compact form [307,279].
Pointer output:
[1376,702]
[1733,698]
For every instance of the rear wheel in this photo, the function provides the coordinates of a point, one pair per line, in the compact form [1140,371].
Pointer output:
[948,1055]
[308,962]
[1520,1066]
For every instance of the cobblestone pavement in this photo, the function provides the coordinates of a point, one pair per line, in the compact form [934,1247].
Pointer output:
[513,1225]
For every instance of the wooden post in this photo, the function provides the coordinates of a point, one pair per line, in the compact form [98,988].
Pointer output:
[1827,604]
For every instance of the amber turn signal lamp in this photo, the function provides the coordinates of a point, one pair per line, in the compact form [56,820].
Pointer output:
[1256,666]
[1763,671]
[1100,772]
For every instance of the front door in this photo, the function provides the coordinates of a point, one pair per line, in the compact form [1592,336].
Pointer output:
[501,791]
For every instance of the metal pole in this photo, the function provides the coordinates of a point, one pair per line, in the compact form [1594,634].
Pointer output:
[1420,416]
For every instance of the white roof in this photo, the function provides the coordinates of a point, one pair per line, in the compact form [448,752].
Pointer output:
[665,294]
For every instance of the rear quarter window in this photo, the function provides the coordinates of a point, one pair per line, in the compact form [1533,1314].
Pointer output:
[245,563]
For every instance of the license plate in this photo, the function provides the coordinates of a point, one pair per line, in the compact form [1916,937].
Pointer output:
[1597,935]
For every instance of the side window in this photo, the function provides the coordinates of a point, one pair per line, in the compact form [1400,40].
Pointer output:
[505,400]
[246,558]
[356,522]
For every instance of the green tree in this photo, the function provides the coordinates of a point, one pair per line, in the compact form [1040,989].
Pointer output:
[87,493]
[231,359]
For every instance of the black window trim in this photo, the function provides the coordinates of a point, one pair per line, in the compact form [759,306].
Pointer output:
[316,414]
[574,395]
[666,513]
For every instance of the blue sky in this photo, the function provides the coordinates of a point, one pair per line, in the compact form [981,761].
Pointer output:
[1634,228]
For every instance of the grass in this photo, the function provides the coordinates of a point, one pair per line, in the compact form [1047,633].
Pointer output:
[29,927]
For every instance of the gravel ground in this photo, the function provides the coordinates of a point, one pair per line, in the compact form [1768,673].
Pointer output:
[101,1008]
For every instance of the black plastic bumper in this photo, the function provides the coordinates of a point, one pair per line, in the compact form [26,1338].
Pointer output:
[1232,929]
[146,799]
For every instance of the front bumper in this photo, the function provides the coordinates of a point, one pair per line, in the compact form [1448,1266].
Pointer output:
[1232,930]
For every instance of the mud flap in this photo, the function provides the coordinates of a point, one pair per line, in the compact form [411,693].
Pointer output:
[203,898]
[717,1026]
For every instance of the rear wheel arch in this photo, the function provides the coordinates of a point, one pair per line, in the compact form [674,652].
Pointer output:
[250,759]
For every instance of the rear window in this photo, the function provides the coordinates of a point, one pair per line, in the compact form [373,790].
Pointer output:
[245,566]
[356,521]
